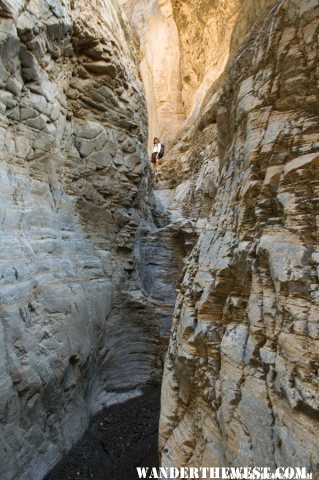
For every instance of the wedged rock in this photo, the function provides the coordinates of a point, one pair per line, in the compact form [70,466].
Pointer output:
[101,68]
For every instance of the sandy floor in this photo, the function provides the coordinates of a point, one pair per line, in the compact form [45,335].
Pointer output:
[119,438]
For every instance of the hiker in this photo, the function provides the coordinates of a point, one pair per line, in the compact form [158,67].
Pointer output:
[158,153]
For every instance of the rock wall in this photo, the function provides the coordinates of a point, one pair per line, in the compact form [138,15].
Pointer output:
[74,197]
[184,47]
[87,275]
[191,167]
[157,39]
[241,375]
[210,33]
[205,30]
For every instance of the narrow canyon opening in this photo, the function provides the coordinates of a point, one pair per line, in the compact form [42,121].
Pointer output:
[158,318]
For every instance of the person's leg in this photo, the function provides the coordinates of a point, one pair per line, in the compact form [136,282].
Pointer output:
[153,161]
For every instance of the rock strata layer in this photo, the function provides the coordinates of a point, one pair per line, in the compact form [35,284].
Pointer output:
[241,375]
[74,199]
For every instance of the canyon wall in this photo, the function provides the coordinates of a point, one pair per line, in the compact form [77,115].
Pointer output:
[241,374]
[210,33]
[205,30]
[156,36]
[75,208]
[88,272]
[183,49]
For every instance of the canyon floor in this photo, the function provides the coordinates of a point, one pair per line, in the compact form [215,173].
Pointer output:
[119,439]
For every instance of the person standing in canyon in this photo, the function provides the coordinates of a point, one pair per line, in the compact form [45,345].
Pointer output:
[158,152]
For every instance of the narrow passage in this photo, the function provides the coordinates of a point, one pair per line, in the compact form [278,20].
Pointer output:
[125,436]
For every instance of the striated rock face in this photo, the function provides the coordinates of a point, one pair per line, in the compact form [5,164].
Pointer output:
[183,49]
[189,176]
[88,274]
[210,33]
[156,35]
[190,170]
[241,376]
[205,30]
[74,194]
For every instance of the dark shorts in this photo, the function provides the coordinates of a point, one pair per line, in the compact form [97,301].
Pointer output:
[154,155]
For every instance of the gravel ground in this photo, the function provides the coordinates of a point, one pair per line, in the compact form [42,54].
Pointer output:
[119,439]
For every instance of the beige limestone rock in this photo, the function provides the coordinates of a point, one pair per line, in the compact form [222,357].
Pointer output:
[210,33]
[240,385]
[192,163]
[183,50]
[205,30]
[159,62]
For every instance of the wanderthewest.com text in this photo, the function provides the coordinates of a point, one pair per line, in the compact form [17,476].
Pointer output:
[227,473]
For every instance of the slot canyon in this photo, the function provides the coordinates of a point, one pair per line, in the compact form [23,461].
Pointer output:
[164,317]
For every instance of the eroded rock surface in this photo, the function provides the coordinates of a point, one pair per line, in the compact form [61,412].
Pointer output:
[188,181]
[87,276]
[156,36]
[74,193]
[241,377]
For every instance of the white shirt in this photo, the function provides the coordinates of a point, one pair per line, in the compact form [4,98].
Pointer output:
[157,148]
